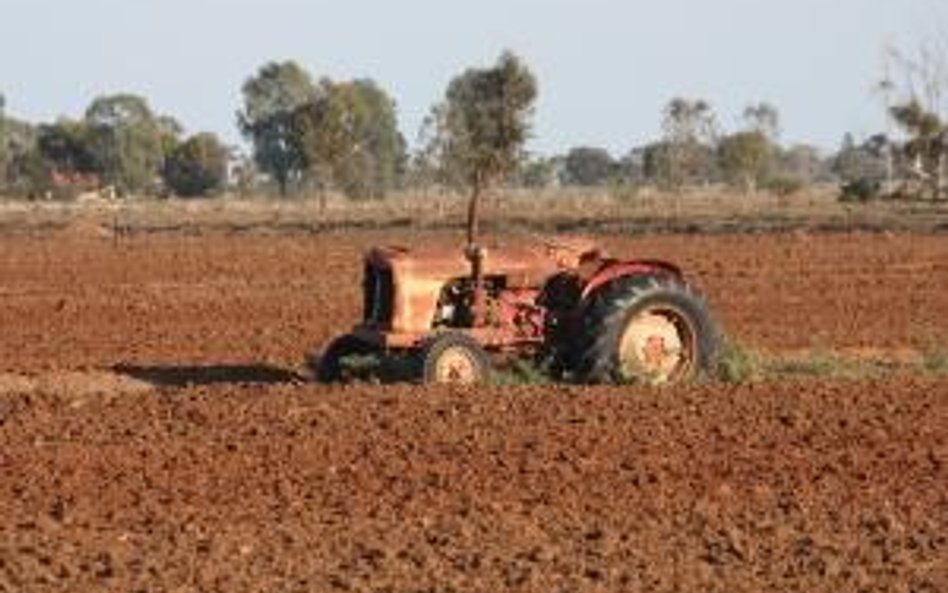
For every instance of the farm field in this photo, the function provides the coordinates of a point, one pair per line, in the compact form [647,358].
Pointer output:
[159,431]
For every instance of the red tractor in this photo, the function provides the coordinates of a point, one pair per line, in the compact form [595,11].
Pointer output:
[587,317]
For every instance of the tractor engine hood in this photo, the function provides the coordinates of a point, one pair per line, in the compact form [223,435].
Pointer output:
[410,280]
[524,264]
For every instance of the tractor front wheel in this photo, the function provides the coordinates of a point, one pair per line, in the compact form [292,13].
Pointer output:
[454,358]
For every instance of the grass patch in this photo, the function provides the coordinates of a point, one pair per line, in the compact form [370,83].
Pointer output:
[935,360]
[825,364]
[521,372]
[738,364]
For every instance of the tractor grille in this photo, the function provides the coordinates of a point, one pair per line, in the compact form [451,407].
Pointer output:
[378,293]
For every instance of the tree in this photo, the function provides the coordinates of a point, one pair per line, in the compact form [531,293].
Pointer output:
[348,137]
[686,154]
[920,110]
[539,172]
[67,146]
[4,148]
[588,166]
[805,163]
[745,158]
[927,145]
[764,119]
[271,98]
[859,163]
[127,140]
[197,166]
[482,125]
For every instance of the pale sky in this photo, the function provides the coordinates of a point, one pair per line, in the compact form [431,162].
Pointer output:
[606,67]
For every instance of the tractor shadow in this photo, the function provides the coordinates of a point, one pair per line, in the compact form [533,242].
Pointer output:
[208,375]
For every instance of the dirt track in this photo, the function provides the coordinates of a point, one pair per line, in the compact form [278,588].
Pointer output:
[127,463]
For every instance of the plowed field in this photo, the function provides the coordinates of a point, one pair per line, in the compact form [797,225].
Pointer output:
[86,301]
[158,433]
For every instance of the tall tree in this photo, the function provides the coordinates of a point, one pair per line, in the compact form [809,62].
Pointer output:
[4,148]
[483,124]
[746,158]
[927,145]
[271,97]
[348,137]
[126,138]
[690,132]
[920,110]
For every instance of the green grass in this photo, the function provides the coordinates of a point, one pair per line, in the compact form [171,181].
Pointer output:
[935,360]
[738,364]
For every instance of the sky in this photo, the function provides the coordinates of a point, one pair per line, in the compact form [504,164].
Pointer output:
[606,68]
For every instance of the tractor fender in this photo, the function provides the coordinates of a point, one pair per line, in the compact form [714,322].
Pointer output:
[615,269]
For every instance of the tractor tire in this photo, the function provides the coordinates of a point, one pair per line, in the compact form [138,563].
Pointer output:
[651,329]
[330,368]
[454,358]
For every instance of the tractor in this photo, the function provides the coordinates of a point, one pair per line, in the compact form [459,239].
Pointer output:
[587,317]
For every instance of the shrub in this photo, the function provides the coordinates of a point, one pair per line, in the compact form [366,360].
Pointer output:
[860,190]
[784,186]
[738,364]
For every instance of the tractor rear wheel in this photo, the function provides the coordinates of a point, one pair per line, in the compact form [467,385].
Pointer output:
[454,358]
[332,362]
[653,329]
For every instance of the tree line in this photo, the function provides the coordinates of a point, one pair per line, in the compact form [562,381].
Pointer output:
[312,136]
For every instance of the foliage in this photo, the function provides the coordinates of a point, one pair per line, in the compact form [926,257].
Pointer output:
[127,140]
[675,165]
[588,166]
[484,121]
[927,146]
[738,364]
[539,173]
[4,148]
[804,163]
[348,136]
[860,190]
[197,166]
[745,158]
[764,119]
[936,361]
[858,162]
[685,154]
[784,185]
[67,146]
[271,98]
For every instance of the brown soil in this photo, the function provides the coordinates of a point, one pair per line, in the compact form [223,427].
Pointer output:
[157,433]
[791,487]
[84,301]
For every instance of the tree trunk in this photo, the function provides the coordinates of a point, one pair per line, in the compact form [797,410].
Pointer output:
[939,178]
[475,254]
[473,207]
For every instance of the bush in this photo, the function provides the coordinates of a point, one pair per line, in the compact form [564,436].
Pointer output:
[196,167]
[860,190]
[784,186]
[738,364]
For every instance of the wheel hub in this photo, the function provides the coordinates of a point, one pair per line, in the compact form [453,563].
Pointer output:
[455,365]
[652,347]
